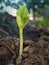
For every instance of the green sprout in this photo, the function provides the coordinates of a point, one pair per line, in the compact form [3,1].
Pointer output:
[22,20]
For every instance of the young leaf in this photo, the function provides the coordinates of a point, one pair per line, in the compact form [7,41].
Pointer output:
[22,16]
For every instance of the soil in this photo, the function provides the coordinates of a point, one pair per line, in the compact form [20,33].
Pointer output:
[35,51]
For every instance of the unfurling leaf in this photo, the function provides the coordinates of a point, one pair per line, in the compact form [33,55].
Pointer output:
[22,16]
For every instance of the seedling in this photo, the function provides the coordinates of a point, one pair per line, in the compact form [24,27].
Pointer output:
[22,20]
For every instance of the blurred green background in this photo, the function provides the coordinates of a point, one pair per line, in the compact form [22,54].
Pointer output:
[38,13]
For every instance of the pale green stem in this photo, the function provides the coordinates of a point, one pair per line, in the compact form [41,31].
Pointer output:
[21,42]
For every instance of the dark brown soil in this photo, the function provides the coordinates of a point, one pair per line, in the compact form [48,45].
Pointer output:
[36,47]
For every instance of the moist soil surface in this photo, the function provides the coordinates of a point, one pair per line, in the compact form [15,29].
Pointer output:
[35,51]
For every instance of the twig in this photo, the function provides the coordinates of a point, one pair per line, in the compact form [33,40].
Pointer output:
[4,32]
